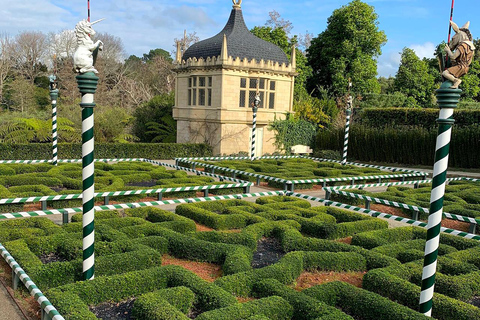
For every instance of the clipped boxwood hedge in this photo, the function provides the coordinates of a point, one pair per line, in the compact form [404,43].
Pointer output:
[105,150]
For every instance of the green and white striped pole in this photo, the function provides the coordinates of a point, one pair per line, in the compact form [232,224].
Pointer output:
[54,97]
[345,140]
[87,83]
[447,101]
[254,125]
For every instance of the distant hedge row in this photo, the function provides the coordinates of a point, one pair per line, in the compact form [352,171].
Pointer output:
[413,145]
[33,151]
[385,117]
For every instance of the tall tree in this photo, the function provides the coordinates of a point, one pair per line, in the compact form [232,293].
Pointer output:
[30,50]
[348,48]
[6,65]
[414,80]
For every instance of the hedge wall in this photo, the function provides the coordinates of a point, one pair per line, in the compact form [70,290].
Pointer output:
[385,117]
[413,145]
[105,150]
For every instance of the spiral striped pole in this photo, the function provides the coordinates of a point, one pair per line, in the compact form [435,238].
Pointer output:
[87,83]
[54,97]
[447,100]
[345,140]
[254,125]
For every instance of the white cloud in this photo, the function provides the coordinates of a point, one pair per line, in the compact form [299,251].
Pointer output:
[388,64]
[425,50]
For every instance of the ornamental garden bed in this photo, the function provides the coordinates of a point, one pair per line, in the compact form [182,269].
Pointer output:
[37,180]
[149,263]
[298,172]
[461,200]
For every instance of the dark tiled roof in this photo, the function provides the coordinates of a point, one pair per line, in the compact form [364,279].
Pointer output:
[240,43]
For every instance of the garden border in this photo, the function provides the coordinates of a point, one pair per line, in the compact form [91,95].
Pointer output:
[416,209]
[18,274]
[376,214]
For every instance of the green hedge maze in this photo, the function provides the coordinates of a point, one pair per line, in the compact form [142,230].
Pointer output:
[294,239]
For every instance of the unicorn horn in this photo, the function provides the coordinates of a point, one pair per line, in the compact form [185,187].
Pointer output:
[92,23]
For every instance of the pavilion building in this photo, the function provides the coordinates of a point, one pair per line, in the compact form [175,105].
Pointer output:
[216,83]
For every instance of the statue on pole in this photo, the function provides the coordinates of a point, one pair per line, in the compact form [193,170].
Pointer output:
[87,50]
[462,57]
[448,96]
[83,62]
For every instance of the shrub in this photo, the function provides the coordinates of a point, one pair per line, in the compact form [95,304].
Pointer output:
[360,303]
[106,150]
[304,307]
[272,307]
[406,293]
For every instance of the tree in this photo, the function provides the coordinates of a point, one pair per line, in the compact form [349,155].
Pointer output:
[414,80]
[276,22]
[154,53]
[277,36]
[29,51]
[157,110]
[6,64]
[347,49]
[185,42]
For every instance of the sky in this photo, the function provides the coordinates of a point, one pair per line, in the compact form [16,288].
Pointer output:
[148,24]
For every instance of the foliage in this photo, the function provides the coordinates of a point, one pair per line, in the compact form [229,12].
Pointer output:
[154,122]
[322,111]
[426,118]
[347,49]
[414,146]
[25,130]
[277,36]
[291,131]
[111,124]
[414,80]
[382,100]
[106,150]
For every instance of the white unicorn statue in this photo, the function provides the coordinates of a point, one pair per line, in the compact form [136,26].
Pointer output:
[462,57]
[86,53]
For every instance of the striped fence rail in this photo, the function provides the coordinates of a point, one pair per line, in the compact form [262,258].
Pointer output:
[378,214]
[358,178]
[235,158]
[69,161]
[415,209]
[126,193]
[18,274]
[290,184]
[387,184]
[66,211]
[203,173]
[359,164]
[234,171]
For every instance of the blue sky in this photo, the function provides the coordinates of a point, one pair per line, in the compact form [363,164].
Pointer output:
[147,24]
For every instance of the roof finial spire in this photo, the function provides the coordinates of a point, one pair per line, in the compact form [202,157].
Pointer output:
[237,4]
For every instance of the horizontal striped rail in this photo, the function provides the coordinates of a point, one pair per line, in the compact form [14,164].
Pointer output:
[378,214]
[125,193]
[69,161]
[237,158]
[39,213]
[386,176]
[46,306]
[359,164]
[389,184]
[203,173]
[402,205]
[287,181]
